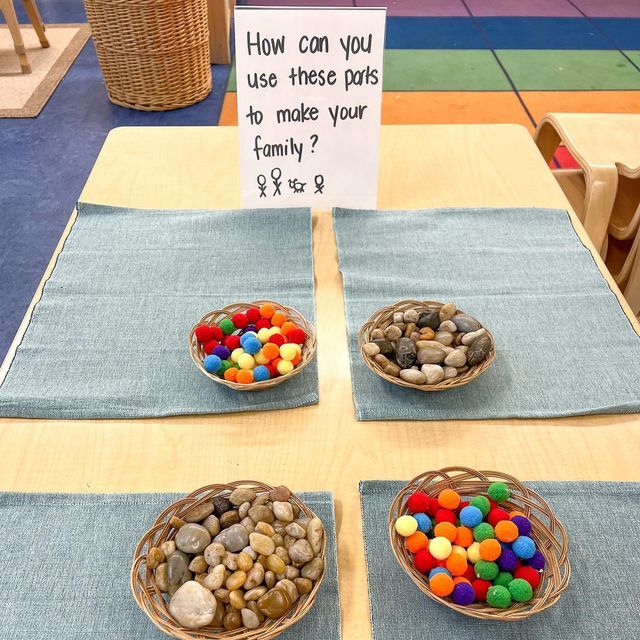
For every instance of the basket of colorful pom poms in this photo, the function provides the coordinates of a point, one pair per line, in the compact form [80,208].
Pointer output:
[252,346]
[480,542]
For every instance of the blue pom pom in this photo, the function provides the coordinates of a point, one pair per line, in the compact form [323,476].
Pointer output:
[252,345]
[424,522]
[261,373]
[433,572]
[524,547]
[212,364]
[536,561]
[245,336]
[471,516]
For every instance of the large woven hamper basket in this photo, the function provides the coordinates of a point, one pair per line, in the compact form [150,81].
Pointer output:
[154,54]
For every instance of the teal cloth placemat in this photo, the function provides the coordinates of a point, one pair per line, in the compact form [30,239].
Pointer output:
[109,338]
[602,597]
[67,559]
[564,346]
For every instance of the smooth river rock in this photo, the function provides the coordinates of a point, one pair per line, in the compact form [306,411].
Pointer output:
[275,603]
[405,352]
[385,346]
[429,319]
[456,359]
[431,355]
[468,338]
[240,495]
[178,568]
[261,544]
[193,606]
[413,376]
[301,552]
[235,538]
[465,323]
[197,514]
[478,350]
[283,511]
[447,311]
[433,373]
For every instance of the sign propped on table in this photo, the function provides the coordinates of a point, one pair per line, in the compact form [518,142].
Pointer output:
[309,84]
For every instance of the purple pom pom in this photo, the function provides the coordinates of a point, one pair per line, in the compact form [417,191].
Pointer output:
[249,327]
[463,594]
[508,561]
[523,524]
[536,562]
[222,352]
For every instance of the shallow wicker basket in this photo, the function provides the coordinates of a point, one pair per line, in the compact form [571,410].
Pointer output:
[384,317]
[213,317]
[154,54]
[548,533]
[154,605]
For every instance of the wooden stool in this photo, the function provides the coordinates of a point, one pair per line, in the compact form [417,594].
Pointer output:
[9,12]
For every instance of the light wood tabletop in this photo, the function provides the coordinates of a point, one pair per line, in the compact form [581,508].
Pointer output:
[321,447]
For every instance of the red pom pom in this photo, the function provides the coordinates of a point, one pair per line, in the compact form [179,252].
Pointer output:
[210,346]
[462,505]
[218,333]
[496,515]
[418,502]
[276,338]
[492,504]
[445,515]
[253,314]
[204,333]
[239,320]
[297,336]
[480,587]
[529,574]
[263,323]
[423,561]
[232,342]
[273,372]
[470,573]
[433,508]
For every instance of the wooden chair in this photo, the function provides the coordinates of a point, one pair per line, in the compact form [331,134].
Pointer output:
[9,12]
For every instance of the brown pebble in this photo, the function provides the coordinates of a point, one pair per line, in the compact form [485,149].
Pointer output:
[198,564]
[304,585]
[274,603]
[232,620]
[176,522]
[279,494]
[427,333]
[228,518]
[392,369]
[236,599]
[155,557]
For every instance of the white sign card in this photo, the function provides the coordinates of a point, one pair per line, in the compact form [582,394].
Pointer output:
[309,100]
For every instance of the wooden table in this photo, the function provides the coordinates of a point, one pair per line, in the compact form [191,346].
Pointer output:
[318,447]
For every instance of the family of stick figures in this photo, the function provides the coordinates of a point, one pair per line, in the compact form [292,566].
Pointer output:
[296,185]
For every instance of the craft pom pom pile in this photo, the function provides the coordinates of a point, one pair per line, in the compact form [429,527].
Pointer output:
[253,346]
[472,551]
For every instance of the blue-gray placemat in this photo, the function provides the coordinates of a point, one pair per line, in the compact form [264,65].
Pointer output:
[601,599]
[564,346]
[109,338]
[67,559]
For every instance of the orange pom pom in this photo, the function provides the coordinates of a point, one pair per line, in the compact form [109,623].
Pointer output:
[271,351]
[456,564]
[244,376]
[287,327]
[267,310]
[449,499]
[446,530]
[506,531]
[513,514]
[417,541]
[230,374]
[490,549]
[278,319]
[464,537]
[441,584]
[296,360]
[459,579]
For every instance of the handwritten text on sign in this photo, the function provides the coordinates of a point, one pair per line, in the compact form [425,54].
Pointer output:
[309,93]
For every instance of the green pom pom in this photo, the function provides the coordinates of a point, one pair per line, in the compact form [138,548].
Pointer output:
[520,590]
[227,326]
[504,578]
[498,597]
[498,491]
[484,531]
[486,570]
[482,503]
[225,365]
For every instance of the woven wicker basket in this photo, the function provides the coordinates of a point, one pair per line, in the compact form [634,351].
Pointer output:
[548,533]
[154,54]
[384,317]
[151,601]
[213,317]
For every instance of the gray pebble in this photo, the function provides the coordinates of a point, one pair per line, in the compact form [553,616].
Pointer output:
[411,316]
[405,352]
[478,351]
[444,337]
[450,372]
[392,332]
[431,355]
[192,538]
[465,323]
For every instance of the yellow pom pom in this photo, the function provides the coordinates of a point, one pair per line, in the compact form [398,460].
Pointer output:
[288,352]
[260,358]
[264,335]
[236,353]
[473,553]
[274,330]
[456,548]
[284,367]
[246,361]
[406,526]
[440,548]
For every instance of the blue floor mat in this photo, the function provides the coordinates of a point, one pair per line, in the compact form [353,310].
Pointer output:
[45,161]
[624,32]
[433,33]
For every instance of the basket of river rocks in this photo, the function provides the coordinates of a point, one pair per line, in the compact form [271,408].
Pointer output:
[242,560]
[430,346]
